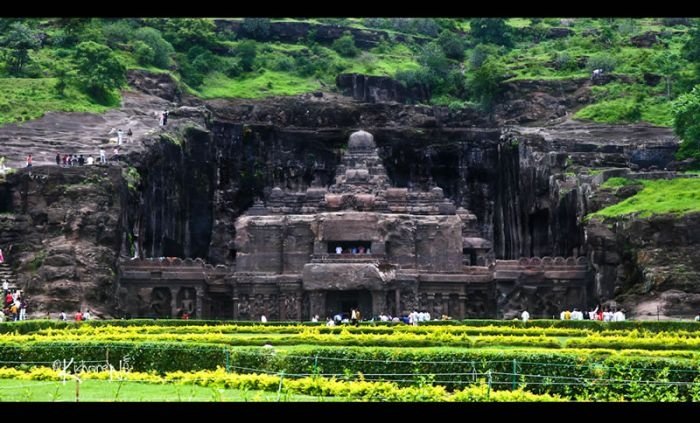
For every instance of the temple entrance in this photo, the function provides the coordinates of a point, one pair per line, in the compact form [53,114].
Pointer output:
[343,301]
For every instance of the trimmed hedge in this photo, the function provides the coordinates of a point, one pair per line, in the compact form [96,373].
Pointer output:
[599,375]
[28,326]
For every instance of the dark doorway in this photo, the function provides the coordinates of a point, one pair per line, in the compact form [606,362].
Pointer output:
[221,306]
[343,301]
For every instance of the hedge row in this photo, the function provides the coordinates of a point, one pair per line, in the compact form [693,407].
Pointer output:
[319,386]
[599,375]
[29,326]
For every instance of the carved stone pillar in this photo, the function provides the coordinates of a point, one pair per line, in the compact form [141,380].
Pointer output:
[173,301]
[462,305]
[235,306]
[378,303]
[317,303]
[200,302]
[397,303]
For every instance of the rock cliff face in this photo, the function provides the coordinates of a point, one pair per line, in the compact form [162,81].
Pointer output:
[528,188]
[64,229]
[648,265]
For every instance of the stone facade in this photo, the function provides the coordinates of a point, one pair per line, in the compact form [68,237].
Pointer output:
[359,243]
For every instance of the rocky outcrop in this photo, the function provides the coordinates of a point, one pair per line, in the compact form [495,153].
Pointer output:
[649,265]
[375,89]
[292,32]
[535,101]
[156,84]
[64,228]
[645,40]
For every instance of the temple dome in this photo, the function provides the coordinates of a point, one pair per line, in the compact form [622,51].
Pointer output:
[361,140]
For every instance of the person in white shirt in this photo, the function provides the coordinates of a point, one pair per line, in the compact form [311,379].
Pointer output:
[525,316]
[263,319]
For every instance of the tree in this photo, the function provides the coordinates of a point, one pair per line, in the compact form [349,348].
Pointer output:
[691,49]
[491,30]
[686,123]
[668,65]
[19,40]
[98,70]
[485,81]
[162,50]
[345,45]
[452,44]
[185,33]
[246,53]
[256,28]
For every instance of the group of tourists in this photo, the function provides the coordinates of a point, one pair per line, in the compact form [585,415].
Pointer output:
[15,306]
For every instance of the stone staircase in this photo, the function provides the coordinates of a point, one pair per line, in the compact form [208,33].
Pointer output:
[6,273]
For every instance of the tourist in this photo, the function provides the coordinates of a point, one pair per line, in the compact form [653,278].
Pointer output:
[86,315]
[58,159]
[103,158]
[2,260]
[120,135]
[90,160]
[339,250]
[62,316]
[29,160]
[525,316]
[697,317]
[129,134]
[263,319]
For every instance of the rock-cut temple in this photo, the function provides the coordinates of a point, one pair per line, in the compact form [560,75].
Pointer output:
[358,243]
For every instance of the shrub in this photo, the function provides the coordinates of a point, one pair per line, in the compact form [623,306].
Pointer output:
[345,45]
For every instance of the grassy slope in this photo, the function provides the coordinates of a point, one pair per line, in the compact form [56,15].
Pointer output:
[22,99]
[676,196]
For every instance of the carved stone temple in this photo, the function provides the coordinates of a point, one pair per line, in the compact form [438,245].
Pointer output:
[358,243]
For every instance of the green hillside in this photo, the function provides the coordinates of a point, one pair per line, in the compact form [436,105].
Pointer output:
[79,63]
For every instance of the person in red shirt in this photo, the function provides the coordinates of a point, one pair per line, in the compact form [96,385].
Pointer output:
[78,316]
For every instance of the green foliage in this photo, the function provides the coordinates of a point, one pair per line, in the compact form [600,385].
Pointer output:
[143,53]
[619,182]
[675,196]
[246,53]
[485,81]
[481,52]
[612,111]
[162,50]
[185,33]
[98,70]
[601,61]
[491,30]
[22,99]
[452,45]
[345,45]
[19,40]
[132,177]
[118,33]
[256,28]
[686,124]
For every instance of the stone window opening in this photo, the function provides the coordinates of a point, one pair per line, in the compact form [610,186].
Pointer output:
[350,247]
[469,256]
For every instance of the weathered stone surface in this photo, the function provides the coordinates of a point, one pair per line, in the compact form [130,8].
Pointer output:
[376,89]
[69,262]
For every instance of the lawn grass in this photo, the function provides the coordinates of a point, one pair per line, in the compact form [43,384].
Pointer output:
[106,391]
